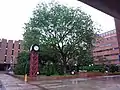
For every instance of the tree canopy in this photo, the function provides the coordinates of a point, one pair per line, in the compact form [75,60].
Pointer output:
[63,32]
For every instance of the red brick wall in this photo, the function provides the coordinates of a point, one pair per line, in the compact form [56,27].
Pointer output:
[6,49]
[106,48]
[117,24]
[3,50]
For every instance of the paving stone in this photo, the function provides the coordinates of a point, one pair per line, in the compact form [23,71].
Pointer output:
[11,83]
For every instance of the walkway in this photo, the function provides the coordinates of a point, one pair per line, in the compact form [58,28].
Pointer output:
[11,83]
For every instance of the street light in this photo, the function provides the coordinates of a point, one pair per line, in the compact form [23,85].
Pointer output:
[51,63]
[89,65]
[4,62]
[75,66]
[84,48]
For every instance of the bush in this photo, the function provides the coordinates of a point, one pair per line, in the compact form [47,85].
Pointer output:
[113,68]
[23,60]
[99,68]
[48,69]
[21,69]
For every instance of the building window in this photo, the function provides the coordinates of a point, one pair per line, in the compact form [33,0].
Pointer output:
[5,58]
[13,46]
[107,38]
[12,58]
[19,46]
[12,52]
[115,48]
[6,52]
[11,61]
[107,55]
[113,54]
[0,44]
[7,45]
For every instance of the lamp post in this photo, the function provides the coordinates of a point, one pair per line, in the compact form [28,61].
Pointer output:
[89,65]
[75,66]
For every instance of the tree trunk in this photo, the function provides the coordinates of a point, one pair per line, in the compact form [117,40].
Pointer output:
[64,66]
[64,63]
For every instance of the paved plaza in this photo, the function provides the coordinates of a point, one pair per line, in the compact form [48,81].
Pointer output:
[101,83]
[11,83]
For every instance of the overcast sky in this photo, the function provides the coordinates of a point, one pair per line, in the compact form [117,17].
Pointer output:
[14,13]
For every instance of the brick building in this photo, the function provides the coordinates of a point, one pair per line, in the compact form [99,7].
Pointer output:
[9,50]
[106,48]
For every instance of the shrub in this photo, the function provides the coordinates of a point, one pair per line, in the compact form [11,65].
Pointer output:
[99,68]
[113,68]
[20,67]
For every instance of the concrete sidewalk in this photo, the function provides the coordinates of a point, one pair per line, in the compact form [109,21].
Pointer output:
[11,83]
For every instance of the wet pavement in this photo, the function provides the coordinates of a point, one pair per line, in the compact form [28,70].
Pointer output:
[11,83]
[1,86]
[101,83]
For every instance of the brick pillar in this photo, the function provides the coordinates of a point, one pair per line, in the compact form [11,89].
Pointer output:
[21,45]
[9,51]
[117,24]
[15,54]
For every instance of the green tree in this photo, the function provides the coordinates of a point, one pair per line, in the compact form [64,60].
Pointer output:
[68,32]
[22,66]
